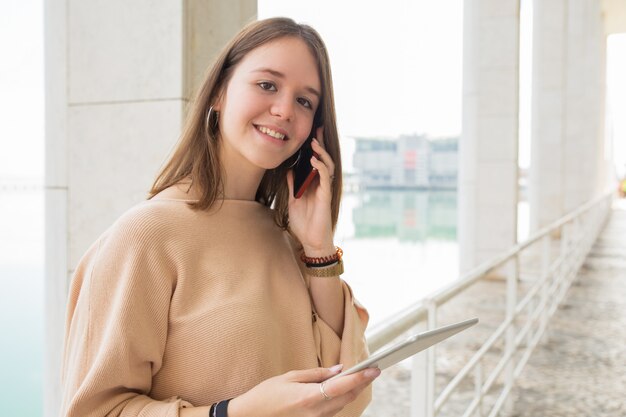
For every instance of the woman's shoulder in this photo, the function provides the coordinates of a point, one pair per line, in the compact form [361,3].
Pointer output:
[152,220]
[169,216]
[160,209]
[181,191]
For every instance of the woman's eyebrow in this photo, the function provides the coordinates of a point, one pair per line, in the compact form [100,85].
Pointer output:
[279,74]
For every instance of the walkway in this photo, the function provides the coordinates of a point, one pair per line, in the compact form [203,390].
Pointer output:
[579,369]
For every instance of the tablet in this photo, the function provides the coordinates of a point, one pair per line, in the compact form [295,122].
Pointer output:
[384,358]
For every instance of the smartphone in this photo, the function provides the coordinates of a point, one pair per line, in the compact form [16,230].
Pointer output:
[303,172]
[384,358]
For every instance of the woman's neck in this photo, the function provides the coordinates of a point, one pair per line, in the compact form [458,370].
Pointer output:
[240,178]
[240,185]
[240,181]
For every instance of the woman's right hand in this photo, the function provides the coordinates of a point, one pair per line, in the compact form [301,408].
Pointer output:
[297,393]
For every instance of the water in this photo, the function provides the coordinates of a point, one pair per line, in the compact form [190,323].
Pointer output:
[21,303]
[399,246]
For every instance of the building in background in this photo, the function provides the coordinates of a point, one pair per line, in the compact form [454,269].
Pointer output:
[407,162]
[444,163]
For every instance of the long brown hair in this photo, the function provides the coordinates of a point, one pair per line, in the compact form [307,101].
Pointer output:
[195,156]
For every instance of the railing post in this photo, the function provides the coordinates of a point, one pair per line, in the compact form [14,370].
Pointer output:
[432,360]
[546,243]
[578,243]
[566,254]
[575,248]
[423,372]
[546,248]
[478,387]
[419,379]
[511,304]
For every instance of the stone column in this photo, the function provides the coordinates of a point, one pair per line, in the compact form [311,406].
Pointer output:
[118,77]
[576,125]
[548,112]
[488,173]
[569,64]
[585,73]
[596,103]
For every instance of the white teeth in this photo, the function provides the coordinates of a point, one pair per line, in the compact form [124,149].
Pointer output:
[272,133]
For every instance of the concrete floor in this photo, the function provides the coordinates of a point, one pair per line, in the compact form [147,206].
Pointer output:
[580,368]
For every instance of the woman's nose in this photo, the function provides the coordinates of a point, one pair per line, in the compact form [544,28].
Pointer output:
[283,107]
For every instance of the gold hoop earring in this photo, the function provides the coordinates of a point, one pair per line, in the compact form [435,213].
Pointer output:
[297,159]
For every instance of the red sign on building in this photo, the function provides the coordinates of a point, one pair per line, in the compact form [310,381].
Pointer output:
[410,159]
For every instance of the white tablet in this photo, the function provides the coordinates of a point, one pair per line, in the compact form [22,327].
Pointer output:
[390,356]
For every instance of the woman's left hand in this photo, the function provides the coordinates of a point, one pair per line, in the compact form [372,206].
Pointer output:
[310,215]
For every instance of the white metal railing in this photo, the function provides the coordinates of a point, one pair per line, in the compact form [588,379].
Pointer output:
[574,233]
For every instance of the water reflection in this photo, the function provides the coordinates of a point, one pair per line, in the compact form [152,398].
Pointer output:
[399,246]
[409,216]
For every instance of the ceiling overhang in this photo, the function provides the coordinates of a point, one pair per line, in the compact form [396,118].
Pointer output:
[614,16]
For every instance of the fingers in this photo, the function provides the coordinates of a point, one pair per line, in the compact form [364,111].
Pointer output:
[341,394]
[345,384]
[324,156]
[313,375]
[322,169]
[324,165]
[320,148]
[329,397]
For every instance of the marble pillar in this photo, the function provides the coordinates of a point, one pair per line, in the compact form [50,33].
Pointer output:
[488,176]
[569,163]
[546,186]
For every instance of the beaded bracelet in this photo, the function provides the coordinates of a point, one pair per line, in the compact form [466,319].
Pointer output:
[324,260]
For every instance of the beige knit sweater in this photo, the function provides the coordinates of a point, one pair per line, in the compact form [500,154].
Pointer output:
[175,308]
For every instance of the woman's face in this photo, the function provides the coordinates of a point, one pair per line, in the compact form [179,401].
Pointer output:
[267,109]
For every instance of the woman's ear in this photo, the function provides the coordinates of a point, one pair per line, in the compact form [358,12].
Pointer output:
[218,104]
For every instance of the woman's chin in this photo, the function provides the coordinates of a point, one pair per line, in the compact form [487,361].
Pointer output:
[268,165]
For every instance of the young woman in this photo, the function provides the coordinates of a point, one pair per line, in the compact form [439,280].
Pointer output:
[220,295]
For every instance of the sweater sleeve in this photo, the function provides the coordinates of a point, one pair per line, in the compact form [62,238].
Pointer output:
[116,327]
[348,350]
[351,348]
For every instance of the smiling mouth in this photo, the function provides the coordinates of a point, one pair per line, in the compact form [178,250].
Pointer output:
[272,133]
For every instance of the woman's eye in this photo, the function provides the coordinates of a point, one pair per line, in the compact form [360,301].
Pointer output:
[266,85]
[306,103]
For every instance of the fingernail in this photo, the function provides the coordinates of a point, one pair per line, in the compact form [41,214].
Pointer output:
[371,373]
[336,368]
